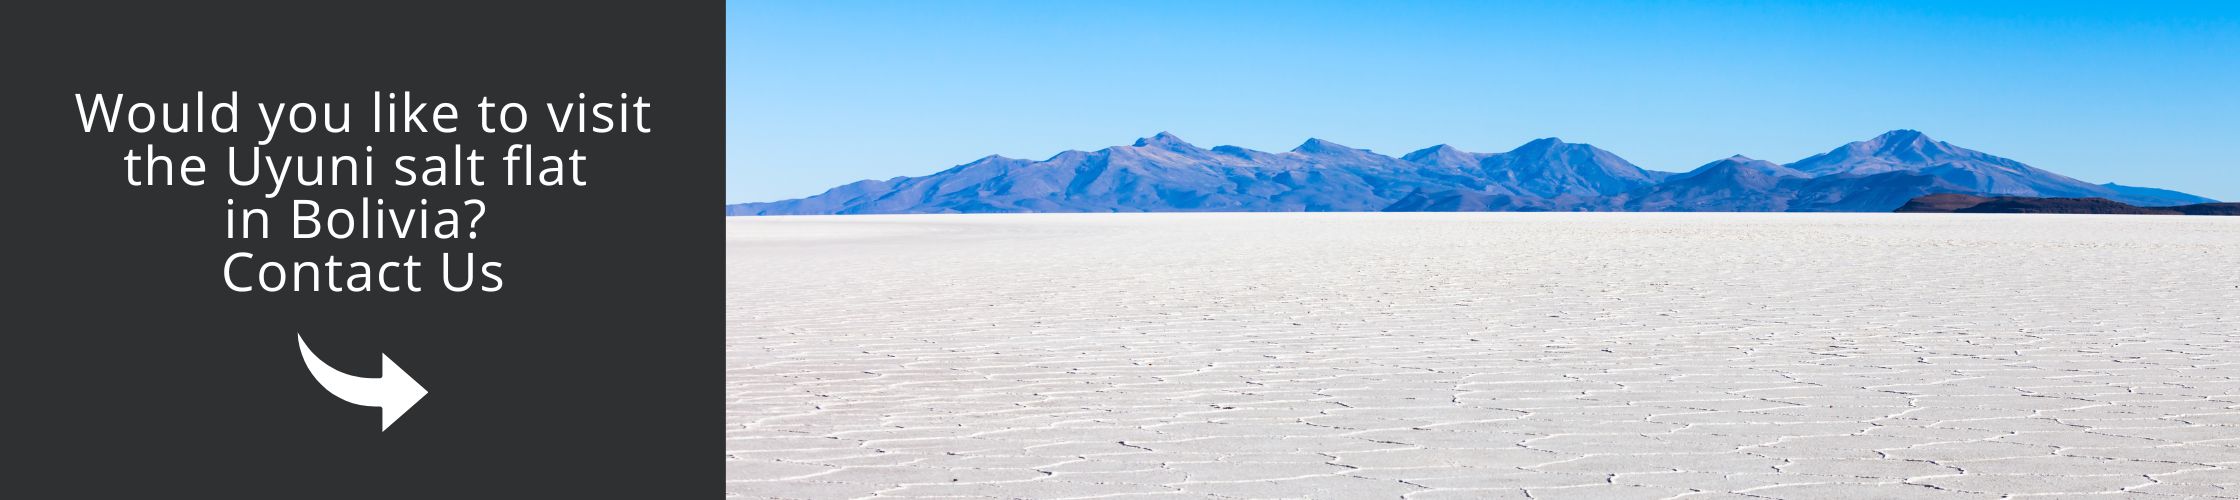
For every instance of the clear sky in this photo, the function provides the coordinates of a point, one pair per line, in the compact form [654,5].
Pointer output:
[824,93]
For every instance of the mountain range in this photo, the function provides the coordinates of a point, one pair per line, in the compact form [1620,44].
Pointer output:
[1163,173]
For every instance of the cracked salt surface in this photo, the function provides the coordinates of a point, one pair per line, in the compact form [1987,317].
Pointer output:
[1432,356]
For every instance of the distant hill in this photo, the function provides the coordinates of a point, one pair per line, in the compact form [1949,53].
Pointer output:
[1963,203]
[1163,173]
[2151,197]
[1941,203]
[1735,184]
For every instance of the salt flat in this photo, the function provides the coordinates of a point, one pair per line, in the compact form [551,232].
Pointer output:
[1483,355]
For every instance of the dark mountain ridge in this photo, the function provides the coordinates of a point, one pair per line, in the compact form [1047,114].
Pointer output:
[1972,204]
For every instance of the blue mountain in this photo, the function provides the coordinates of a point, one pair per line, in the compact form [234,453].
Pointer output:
[2151,197]
[1163,173]
[1735,184]
[1973,171]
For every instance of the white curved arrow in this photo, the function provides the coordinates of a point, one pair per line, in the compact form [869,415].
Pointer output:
[394,391]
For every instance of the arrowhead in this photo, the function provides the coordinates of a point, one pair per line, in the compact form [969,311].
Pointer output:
[400,392]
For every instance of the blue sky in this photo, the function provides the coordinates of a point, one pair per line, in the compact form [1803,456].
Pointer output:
[824,93]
